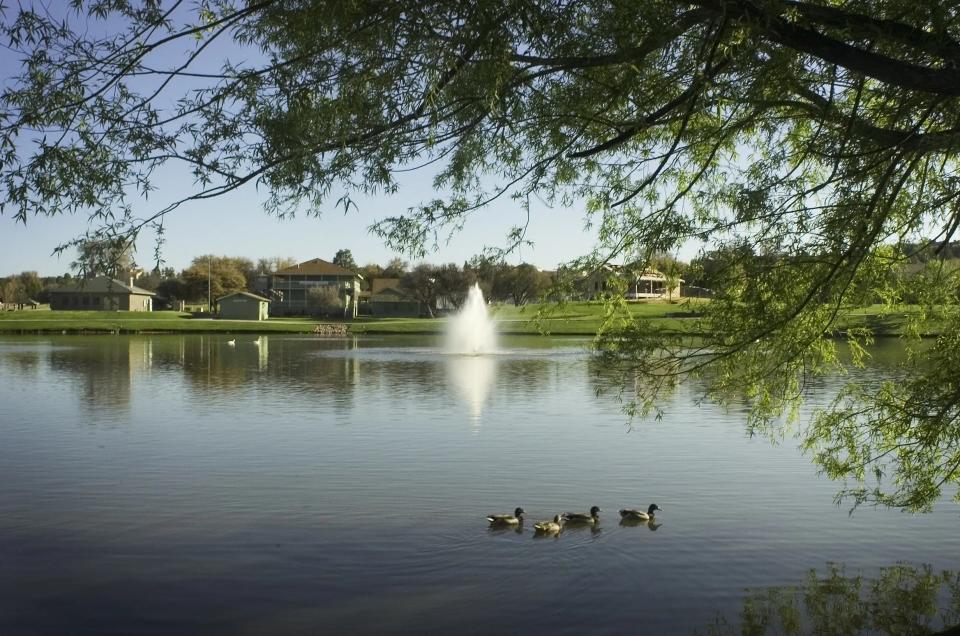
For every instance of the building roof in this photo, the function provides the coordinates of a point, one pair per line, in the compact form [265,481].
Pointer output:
[652,274]
[101,285]
[390,294]
[379,284]
[28,301]
[243,293]
[317,266]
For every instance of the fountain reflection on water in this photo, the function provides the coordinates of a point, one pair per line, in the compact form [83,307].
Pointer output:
[471,339]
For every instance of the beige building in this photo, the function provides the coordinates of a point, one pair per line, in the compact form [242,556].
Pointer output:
[290,287]
[648,285]
[652,284]
[101,293]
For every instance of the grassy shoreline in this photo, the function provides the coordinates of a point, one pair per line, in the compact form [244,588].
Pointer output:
[579,319]
[572,319]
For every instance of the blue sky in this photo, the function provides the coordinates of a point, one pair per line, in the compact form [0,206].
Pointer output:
[236,225]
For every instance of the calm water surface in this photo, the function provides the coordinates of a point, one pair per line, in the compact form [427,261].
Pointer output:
[175,484]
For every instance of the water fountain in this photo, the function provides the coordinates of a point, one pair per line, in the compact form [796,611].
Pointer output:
[471,331]
[470,338]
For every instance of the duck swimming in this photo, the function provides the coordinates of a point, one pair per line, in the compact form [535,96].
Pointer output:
[507,520]
[549,527]
[583,518]
[651,525]
[639,515]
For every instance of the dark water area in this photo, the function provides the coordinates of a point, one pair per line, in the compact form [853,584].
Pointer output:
[177,484]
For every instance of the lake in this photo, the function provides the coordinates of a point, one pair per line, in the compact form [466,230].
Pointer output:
[178,484]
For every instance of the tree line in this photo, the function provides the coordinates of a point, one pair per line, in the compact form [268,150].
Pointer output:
[221,275]
[426,283]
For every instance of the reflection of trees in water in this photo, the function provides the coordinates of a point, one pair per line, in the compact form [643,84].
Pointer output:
[210,365]
[516,377]
[817,390]
[305,366]
[21,363]
[403,378]
[902,600]
[867,427]
[300,365]
[882,420]
[104,368]
[633,387]
[207,362]
[328,368]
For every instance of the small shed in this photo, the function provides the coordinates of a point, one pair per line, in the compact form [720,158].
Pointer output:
[244,306]
[391,302]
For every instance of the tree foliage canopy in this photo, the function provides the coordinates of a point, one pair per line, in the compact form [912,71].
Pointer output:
[420,283]
[220,274]
[344,258]
[807,142]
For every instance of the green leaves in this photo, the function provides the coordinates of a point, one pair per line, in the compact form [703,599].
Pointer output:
[901,599]
[898,438]
[805,145]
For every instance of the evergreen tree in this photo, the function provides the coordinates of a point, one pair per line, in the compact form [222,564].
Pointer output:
[344,259]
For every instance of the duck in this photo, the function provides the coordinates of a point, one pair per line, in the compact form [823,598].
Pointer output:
[640,515]
[549,527]
[583,518]
[257,341]
[507,520]
[232,343]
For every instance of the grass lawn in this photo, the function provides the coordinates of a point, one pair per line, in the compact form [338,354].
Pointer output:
[887,321]
[585,318]
[581,318]
[34,321]
[569,319]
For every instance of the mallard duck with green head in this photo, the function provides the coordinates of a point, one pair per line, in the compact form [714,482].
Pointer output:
[507,520]
[640,515]
[591,518]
